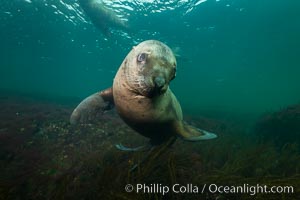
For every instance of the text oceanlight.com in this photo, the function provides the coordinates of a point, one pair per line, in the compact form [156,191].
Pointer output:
[211,188]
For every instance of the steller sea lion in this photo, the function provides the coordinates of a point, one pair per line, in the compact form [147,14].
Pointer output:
[142,97]
[102,17]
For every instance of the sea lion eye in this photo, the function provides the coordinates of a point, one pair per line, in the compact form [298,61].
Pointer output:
[141,57]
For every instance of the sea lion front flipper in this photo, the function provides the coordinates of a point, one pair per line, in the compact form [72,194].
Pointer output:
[91,106]
[191,133]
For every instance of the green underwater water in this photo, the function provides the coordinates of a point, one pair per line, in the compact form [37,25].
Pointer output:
[233,55]
[237,60]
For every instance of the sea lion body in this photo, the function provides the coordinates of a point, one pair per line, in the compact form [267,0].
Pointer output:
[151,115]
[151,118]
[142,97]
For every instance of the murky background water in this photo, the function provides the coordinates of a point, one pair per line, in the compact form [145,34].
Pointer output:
[233,55]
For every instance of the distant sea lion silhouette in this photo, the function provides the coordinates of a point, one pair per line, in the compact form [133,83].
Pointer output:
[142,97]
[102,17]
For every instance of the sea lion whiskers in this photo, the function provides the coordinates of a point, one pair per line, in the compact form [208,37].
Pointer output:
[135,80]
[137,84]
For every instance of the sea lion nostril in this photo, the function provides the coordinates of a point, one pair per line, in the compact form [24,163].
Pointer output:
[159,81]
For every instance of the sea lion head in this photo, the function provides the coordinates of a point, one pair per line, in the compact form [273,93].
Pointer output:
[149,68]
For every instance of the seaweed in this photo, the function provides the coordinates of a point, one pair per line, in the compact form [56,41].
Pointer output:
[43,157]
[282,126]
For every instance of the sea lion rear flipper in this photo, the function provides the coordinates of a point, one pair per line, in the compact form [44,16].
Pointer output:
[94,104]
[152,153]
[191,133]
[139,148]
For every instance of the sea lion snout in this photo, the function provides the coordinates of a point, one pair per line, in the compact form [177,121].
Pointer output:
[160,85]
[159,82]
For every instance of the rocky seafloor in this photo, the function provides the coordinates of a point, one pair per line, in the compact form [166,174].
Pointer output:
[43,157]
